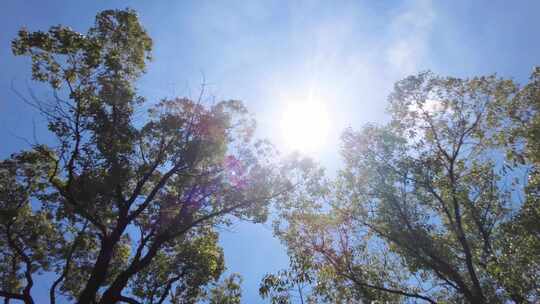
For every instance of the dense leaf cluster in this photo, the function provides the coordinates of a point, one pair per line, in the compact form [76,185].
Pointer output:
[123,208]
[440,205]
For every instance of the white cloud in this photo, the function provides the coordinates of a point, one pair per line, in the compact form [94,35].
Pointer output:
[409,36]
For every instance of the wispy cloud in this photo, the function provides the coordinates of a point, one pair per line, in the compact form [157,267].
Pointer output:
[271,54]
[409,35]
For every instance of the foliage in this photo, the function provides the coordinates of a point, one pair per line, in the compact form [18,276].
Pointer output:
[226,292]
[281,288]
[428,207]
[124,207]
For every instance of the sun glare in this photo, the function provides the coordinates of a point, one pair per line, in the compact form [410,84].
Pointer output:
[305,126]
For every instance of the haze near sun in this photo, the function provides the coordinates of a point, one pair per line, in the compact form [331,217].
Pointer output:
[305,126]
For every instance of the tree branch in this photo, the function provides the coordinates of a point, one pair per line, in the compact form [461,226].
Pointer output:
[27,297]
[11,295]
[52,291]
[129,300]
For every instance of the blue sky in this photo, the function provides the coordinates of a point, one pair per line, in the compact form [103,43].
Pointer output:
[269,54]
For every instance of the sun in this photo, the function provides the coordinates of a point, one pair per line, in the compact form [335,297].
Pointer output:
[305,126]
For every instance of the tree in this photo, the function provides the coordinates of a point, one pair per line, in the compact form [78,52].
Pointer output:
[522,235]
[290,284]
[429,207]
[227,292]
[124,207]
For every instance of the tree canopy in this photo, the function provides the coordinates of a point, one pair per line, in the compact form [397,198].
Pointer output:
[440,205]
[123,208]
